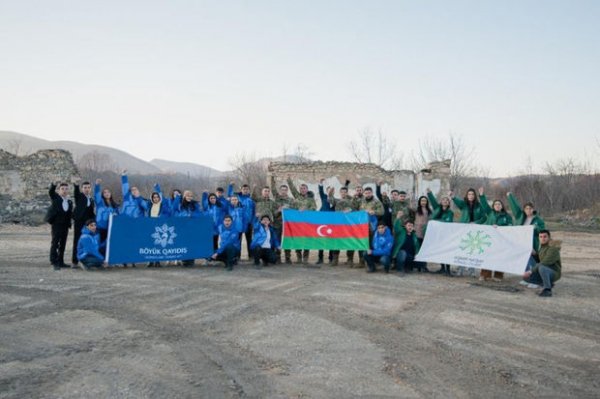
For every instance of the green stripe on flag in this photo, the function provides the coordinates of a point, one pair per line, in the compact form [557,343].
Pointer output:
[358,244]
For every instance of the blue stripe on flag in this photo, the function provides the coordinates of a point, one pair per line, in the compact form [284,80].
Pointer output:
[350,218]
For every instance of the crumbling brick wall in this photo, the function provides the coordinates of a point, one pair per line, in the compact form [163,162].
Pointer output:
[24,183]
[435,176]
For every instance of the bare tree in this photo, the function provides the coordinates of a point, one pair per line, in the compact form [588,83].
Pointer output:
[96,161]
[462,157]
[375,147]
[249,169]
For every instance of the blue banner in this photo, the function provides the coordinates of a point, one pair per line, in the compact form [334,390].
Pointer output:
[132,240]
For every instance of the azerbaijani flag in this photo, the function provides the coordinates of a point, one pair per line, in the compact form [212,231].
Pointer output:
[325,230]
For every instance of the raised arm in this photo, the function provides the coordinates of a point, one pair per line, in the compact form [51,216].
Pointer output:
[293,189]
[514,205]
[434,204]
[124,184]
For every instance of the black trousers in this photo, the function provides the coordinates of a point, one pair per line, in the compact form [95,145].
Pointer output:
[267,255]
[77,226]
[60,232]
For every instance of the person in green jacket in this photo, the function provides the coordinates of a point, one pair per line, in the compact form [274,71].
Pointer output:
[406,247]
[548,270]
[496,216]
[524,217]
[470,212]
[441,213]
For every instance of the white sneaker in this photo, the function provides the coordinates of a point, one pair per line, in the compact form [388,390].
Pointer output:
[532,285]
[523,282]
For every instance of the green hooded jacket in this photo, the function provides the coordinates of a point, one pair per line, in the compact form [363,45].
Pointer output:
[400,236]
[520,218]
[479,216]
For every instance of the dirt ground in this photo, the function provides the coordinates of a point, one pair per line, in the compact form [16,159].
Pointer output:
[292,331]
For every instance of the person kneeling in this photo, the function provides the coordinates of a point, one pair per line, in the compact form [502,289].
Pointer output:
[88,247]
[406,247]
[547,271]
[229,243]
[264,242]
[381,249]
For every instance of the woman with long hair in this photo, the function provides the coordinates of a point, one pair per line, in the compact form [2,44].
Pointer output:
[496,216]
[441,213]
[470,212]
[105,206]
[525,216]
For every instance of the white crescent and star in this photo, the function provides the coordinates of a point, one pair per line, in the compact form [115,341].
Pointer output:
[322,227]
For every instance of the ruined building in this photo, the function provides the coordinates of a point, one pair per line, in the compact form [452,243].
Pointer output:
[24,183]
[436,176]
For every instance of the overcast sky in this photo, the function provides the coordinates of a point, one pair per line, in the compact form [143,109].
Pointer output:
[201,81]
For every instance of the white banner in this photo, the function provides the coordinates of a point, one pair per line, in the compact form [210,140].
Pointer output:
[504,249]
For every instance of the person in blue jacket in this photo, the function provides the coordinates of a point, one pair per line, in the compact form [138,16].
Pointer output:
[265,243]
[134,205]
[159,206]
[214,208]
[229,243]
[184,206]
[381,249]
[105,206]
[245,197]
[88,246]
[234,208]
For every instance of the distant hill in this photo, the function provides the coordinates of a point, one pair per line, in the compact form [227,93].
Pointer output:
[186,168]
[101,157]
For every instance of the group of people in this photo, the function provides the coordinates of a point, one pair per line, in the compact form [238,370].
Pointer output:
[397,229]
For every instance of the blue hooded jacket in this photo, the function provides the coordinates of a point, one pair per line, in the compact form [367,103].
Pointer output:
[215,211]
[247,203]
[103,211]
[383,243]
[260,235]
[133,207]
[228,236]
[89,245]
[192,209]
[166,206]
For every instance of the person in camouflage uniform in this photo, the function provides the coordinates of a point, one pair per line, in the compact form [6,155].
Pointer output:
[343,204]
[375,210]
[401,207]
[264,205]
[303,202]
[283,201]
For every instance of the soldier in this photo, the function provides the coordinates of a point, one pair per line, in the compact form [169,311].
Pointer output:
[265,205]
[375,210]
[342,204]
[303,202]
[401,207]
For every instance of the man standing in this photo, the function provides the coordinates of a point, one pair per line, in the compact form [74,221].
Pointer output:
[375,210]
[59,217]
[84,211]
[304,202]
[342,204]
[547,271]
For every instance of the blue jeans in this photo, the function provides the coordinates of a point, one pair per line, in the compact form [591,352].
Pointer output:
[530,263]
[385,260]
[543,276]
[406,262]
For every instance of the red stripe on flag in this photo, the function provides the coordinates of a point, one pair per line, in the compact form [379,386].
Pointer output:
[300,229]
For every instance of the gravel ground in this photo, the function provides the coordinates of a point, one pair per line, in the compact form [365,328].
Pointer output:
[291,331]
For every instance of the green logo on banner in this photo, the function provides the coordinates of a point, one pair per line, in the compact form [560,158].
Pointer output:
[475,242]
